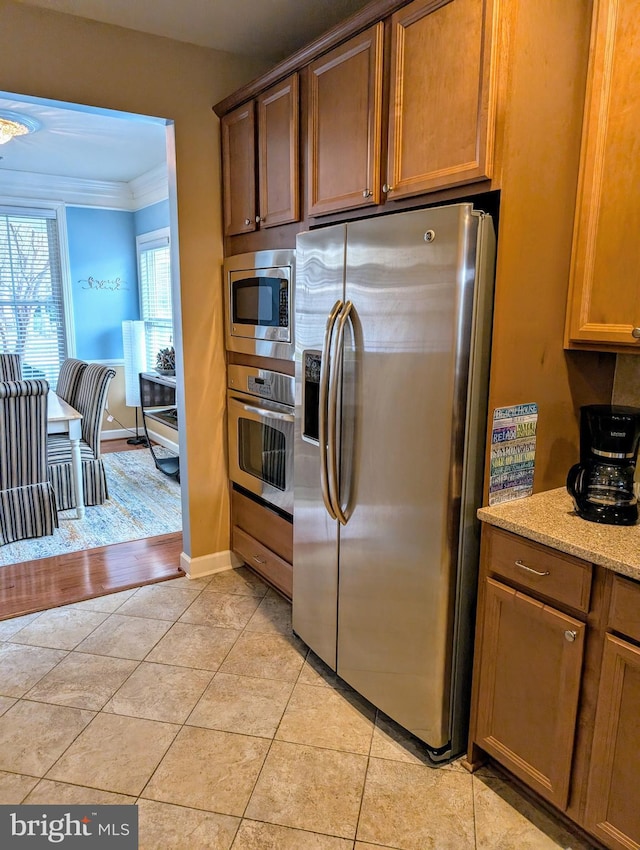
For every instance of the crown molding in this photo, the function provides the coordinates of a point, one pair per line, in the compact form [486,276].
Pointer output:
[147,189]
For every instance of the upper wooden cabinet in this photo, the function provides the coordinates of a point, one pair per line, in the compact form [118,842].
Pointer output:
[442,100]
[344,125]
[278,156]
[276,177]
[604,296]
[239,170]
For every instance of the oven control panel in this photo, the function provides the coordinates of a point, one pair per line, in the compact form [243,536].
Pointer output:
[262,383]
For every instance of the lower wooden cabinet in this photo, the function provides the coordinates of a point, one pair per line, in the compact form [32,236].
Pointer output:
[556,685]
[529,687]
[264,541]
[613,798]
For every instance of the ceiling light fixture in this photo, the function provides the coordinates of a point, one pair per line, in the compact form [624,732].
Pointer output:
[14,124]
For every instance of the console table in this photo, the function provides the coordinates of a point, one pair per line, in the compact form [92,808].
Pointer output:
[158,403]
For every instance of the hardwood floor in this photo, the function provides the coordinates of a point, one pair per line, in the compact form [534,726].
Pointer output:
[49,582]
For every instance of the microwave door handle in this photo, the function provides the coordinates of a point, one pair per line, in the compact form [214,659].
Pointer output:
[268,414]
[334,418]
[325,372]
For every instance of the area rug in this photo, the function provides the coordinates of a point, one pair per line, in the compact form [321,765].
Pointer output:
[143,502]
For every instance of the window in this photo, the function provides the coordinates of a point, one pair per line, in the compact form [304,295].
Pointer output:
[154,271]
[33,319]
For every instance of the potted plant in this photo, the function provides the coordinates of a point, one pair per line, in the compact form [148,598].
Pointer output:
[166,361]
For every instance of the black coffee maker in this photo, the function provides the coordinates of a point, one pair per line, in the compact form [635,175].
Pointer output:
[601,485]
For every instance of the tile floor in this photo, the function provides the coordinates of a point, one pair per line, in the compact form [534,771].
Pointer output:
[195,700]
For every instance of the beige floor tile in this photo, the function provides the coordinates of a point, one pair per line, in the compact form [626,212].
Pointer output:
[125,637]
[359,845]
[240,580]
[14,624]
[115,753]
[166,827]
[33,735]
[22,666]
[413,807]
[506,820]
[316,672]
[242,704]
[207,769]
[109,603]
[390,741]
[309,788]
[83,681]
[191,645]
[267,656]
[160,692]
[253,835]
[62,628]
[5,704]
[14,787]
[159,602]
[48,793]
[321,717]
[226,610]
[272,615]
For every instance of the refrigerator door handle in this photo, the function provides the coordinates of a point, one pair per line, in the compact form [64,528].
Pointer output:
[325,375]
[334,417]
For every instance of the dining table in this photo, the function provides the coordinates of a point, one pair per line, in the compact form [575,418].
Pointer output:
[64,419]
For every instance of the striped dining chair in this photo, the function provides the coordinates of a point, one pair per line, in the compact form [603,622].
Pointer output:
[69,379]
[90,401]
[27,503]
[10,367]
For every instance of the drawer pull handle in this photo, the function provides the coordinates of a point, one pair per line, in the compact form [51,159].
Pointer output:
[259,559]
[531,570]
[570,635]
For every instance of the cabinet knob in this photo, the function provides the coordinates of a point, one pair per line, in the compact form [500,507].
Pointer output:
[635,333]
[247,221]
[386,188]
[570,635]
[367,193]
[259,219]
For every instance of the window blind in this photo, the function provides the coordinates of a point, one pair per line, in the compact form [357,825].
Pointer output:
[155,295]
[31,291]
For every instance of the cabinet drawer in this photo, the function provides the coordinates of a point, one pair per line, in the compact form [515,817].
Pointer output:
[548,573]
[265,562]
[624,612]
[272,530]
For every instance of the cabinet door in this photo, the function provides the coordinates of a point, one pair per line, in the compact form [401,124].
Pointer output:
[604,300]
[345,114]
[528,689]
[278,135]
[239,170]
[613,813]
[442,101]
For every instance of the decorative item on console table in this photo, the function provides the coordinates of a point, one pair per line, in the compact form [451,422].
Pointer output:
[166,361]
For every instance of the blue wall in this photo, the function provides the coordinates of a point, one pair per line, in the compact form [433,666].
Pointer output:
[104,277]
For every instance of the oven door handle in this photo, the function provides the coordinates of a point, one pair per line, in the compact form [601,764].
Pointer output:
[325,374]
[266,414]
[335,416]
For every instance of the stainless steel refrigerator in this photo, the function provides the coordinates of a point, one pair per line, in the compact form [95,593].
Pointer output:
[393,324]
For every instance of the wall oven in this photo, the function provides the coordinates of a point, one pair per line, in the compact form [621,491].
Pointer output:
[259,308]
[260,406]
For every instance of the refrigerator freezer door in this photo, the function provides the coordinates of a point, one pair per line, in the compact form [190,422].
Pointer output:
[319,285]
[410,277]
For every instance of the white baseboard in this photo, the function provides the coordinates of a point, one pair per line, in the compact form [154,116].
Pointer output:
[124,433]
[207,565]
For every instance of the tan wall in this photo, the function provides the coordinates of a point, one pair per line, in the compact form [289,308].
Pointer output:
[57,56]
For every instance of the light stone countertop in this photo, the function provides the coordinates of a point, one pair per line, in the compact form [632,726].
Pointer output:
[549,518]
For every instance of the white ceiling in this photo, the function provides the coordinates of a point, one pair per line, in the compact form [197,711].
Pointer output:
[98,145]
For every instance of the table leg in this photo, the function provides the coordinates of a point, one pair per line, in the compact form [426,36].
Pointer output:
[77,477]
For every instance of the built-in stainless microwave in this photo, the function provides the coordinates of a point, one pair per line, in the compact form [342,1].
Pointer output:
[259,309]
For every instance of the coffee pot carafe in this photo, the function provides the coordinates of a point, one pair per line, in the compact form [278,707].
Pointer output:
[602,484]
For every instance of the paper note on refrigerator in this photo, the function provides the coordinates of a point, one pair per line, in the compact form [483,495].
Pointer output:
[513,452]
